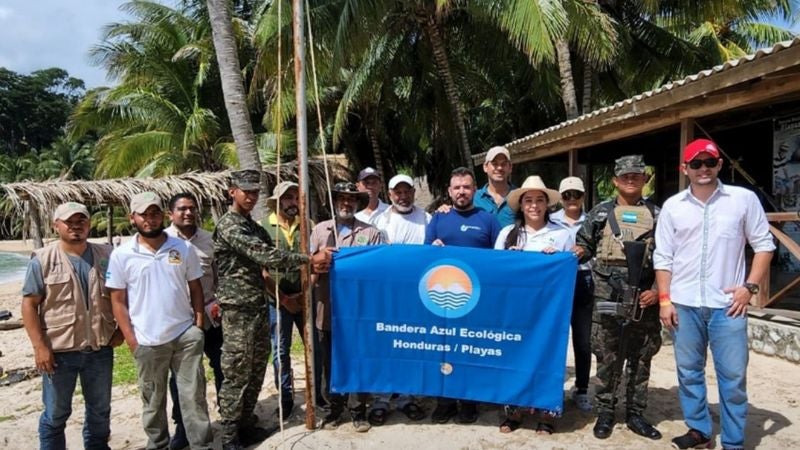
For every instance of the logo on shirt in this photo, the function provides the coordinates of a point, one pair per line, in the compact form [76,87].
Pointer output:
[449,288]
[362,240]
[465,228]
[174,257]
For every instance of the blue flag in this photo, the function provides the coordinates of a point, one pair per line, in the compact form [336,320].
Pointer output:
[466,323]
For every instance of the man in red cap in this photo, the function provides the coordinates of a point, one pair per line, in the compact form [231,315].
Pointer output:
[704,293]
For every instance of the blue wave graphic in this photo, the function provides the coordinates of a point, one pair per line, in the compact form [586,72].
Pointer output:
[449,300]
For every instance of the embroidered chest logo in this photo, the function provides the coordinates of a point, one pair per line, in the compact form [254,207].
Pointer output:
[174,257]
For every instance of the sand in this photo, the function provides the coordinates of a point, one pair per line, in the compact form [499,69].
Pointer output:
[774,420]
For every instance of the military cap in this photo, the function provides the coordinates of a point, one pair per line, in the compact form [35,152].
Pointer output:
[246,180]
[68,209]
[629,164]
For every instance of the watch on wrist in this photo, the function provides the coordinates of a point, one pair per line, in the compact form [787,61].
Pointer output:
[754,288]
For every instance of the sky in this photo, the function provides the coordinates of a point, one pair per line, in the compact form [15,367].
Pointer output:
[38,34]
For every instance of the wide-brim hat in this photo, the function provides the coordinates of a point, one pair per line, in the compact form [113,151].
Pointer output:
[347,187]
[532,183]
[277,193]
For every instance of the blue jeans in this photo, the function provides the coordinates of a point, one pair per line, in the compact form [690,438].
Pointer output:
[94,370]
[283,348]
[698,329]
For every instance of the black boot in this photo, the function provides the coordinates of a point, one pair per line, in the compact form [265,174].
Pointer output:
[642,427]
[604,426]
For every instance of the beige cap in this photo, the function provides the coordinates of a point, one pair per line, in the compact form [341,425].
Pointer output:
[140,202]
[532,183]
[495,151]
[67,210]
[397,179]
[277,193]
[571,184]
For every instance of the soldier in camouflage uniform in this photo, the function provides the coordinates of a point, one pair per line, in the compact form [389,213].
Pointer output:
[242,249]
[642,339]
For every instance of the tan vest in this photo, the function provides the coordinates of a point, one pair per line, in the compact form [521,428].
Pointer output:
[67,322]
[634,221]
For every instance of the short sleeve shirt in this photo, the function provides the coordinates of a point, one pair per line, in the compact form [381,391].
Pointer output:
[34,281]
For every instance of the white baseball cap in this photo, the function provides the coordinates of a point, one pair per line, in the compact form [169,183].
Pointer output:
[494,152]
[397,179]
[571,184]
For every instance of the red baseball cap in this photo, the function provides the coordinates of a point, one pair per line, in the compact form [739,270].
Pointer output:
[698,146]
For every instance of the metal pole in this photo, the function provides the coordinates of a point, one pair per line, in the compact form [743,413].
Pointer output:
[302,169]
[110,224]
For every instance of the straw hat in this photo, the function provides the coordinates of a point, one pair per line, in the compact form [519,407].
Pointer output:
[532,183]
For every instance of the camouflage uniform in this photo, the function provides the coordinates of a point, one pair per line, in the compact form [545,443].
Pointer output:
[241,248]
[643,338]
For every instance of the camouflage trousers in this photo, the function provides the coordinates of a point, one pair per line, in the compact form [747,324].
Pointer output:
[642,342]
[245,349]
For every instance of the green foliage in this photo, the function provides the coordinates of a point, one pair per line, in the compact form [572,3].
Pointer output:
[124,367]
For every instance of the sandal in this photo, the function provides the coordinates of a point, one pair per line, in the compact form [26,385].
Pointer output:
[544,428]
[377,416]
[509,425]
[413,411]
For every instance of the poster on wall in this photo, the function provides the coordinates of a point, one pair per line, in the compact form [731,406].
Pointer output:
[786,181]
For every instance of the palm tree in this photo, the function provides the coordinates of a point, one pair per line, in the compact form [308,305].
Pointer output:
[165,115]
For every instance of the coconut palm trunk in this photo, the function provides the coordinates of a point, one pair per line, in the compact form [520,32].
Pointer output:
[568,96]
[428,22]
[219,12]
[588,80]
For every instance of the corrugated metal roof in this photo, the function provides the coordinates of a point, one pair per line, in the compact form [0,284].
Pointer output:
[663,89]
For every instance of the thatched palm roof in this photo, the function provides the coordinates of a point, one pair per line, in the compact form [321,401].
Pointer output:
[209,188]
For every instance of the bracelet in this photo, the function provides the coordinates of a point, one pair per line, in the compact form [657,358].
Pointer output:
[664,302]
[663,296]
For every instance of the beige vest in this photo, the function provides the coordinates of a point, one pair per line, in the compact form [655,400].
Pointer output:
[634,221]
[67,322]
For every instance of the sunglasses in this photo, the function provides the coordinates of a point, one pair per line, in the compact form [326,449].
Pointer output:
[572,195]
[698,163]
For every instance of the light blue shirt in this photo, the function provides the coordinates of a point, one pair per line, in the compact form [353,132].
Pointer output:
[484,200]
[559,217]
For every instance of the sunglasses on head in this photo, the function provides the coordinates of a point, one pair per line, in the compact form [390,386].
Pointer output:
[572,195]
[698,163]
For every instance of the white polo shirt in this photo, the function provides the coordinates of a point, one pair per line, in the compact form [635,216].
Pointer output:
[157,284]
[702,244]
[551,235]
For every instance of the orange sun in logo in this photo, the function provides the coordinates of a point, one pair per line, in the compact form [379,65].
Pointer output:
[446,276]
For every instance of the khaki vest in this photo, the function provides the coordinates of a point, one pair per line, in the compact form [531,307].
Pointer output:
[634,221]
[67,322]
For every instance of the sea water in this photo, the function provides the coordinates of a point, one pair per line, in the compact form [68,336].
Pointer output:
[12,267]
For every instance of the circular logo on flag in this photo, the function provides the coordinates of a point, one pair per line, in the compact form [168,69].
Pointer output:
[449,289]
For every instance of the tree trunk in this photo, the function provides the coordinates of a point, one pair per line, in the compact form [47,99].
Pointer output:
[568,95]
[35,226]
[588,79]
[442,64]
[372,133]
[219,12]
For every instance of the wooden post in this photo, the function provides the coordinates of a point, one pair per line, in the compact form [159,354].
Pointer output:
[573,163]
[36,226]
[687,135]
[110,224]
[305,219]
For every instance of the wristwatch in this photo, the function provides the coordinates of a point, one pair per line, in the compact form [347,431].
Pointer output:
[754,288]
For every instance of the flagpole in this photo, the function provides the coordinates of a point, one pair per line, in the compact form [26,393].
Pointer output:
[302,172]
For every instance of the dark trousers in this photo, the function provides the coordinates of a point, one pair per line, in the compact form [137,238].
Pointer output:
[581,321]
[281,349]
[336,401]
[213,350]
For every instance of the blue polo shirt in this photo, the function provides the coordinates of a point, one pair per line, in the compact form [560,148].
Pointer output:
[473,228]
[503,213]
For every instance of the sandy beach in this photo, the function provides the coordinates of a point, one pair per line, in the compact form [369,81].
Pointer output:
[774,420]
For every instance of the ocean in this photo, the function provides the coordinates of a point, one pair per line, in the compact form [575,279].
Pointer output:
[12,267]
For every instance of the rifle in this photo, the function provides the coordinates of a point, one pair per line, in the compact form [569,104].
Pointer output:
[627,291]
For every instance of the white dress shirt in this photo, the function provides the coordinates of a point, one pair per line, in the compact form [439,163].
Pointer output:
[702,245]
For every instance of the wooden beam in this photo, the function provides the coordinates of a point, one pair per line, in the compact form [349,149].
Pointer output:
[573,163]
[687,135]
[636,124]
[783,216]
[794,249]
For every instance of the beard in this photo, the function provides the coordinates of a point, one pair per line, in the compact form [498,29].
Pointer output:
[152,233]
[403,209]
[291,211]
[345,214]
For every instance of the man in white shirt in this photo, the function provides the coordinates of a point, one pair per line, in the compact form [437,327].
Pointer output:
[157,300]
[402,223]
[185,215]
[369,181]
[703,292]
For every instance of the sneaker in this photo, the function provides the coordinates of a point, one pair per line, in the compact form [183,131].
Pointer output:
[692,439]
[332,420]
[360,422]
[443,413]
[582,401]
